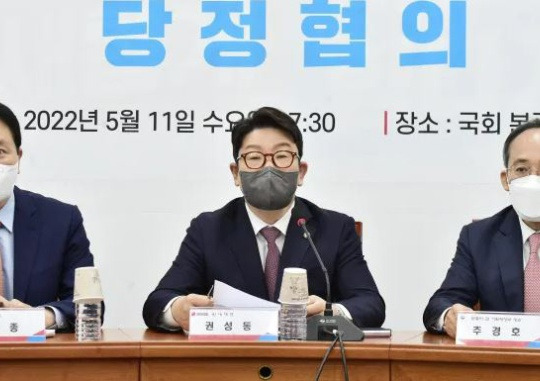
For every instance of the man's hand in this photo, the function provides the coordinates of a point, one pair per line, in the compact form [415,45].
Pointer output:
[315,305]
[450,320]
[181,306]
[14,303]
[50,319]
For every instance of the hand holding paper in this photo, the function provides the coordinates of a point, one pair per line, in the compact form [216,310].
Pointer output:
[181,307]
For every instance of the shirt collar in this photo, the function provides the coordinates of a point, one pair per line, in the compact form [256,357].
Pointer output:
[526,231]
[7,213]
[280,224]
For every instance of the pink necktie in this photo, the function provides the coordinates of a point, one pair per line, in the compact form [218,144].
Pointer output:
[272,260]
[532,276]
[1,271]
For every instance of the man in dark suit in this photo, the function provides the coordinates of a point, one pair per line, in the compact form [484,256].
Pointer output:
[249,241]
[497,264]
[42,240]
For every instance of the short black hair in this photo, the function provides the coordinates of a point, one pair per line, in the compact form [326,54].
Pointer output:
[266,117]
[535,123]
[10,120]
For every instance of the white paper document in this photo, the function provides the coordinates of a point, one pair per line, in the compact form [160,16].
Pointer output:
[230,297]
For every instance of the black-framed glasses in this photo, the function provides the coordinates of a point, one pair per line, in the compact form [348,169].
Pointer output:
[280,159]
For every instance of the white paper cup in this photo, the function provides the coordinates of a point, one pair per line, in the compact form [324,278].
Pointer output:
[294,286]
[87,287]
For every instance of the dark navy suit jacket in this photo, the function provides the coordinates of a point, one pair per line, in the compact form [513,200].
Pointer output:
[49,244]
[487,268]
[222,245]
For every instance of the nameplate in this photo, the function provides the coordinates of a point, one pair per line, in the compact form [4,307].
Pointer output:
[498,329]
[256,324]
[22,325]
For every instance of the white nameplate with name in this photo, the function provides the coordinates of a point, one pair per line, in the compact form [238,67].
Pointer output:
[22,324]
[498,329]
[259,324]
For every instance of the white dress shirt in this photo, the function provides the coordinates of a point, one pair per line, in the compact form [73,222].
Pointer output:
[7,214]
[526,233]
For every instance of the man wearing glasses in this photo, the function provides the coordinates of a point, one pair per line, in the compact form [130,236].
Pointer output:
[497,263]
[249,241]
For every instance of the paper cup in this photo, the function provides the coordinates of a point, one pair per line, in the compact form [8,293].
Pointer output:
[87,286]
[294,286]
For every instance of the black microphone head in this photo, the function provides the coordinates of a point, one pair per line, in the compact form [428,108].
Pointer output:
[301,222]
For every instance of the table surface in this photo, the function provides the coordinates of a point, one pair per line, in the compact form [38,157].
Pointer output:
[424,346]
[137,343]
[156,344]
[115,343]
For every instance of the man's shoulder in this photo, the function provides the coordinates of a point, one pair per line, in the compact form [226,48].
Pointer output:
[323,214]
[489,225]
[227,211]
[497,218]
[26,198]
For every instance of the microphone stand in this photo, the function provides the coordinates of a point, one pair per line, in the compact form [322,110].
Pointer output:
[326,327]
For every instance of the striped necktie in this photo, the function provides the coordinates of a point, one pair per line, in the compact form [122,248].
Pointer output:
[1,268]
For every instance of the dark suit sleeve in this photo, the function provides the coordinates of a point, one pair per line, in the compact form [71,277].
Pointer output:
[356,288]
[459,286]
[186,275]
[76,254]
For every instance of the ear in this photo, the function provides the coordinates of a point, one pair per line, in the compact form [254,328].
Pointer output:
[19,154]
[234,170]
[504,180]
[302,172]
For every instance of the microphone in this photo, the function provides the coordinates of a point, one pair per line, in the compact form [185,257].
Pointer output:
[307,235]
[323,327]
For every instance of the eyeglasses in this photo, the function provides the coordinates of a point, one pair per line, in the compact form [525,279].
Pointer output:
[257,160]
[521,170]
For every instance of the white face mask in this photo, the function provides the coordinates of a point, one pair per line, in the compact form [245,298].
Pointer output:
[8,176]
[525,197]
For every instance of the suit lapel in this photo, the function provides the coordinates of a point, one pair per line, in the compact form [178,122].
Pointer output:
[509,248]
[26,238]
[244,247]
[296,245]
